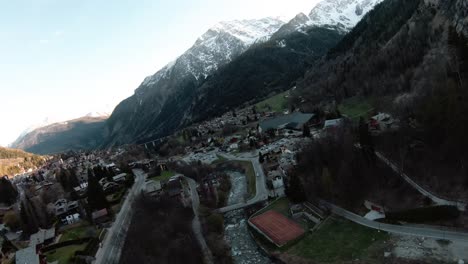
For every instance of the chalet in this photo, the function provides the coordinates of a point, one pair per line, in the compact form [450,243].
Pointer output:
[122,177]
[62,206]
[110,187]
[383,122]
[277,184]
[174,187]
[332,126]
[153,188]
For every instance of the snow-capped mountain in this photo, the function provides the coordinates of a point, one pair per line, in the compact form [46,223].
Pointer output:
[47,121]
[218,46]
[343,14]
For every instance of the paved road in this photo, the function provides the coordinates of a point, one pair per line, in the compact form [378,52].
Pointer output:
[398,229]
[110,252]
[261,193]
[196,226]
[437,200]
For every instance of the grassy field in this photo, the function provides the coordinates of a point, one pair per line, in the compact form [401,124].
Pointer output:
[338,240]
[250,173]
[251,180]
[356,107]
[220,159]
[77,233]
[280,205]
[165,175]
[277,103]
[64,254]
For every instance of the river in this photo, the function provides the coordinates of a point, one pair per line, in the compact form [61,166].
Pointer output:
[243,248]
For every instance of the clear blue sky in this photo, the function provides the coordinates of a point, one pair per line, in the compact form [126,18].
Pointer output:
[65,58]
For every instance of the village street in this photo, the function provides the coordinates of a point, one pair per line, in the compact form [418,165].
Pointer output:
[112,245]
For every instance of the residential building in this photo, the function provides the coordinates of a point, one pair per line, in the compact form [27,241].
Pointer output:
[153,188]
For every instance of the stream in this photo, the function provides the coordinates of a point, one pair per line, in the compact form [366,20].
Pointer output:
[244,250]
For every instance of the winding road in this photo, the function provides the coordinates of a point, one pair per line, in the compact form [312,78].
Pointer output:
[397,169]
[196,226]
[113,243]
[398,229]
[437,200]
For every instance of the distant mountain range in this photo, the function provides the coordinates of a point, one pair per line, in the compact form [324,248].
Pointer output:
[81,133]
[232,63]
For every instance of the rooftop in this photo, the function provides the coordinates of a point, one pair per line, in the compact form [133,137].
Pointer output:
[293,120]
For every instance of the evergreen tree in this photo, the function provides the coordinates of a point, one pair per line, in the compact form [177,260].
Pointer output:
[295,191]
[306,131]
[8,193]
[96,197]
[28,217]
[261,159]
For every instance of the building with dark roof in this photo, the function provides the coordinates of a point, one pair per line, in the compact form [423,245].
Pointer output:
[294,121]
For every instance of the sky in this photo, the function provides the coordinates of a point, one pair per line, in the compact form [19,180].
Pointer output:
[62,59]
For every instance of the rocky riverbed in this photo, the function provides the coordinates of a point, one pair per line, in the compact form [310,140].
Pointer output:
[243,248]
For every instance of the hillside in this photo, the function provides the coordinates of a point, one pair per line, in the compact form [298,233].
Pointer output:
[81,133]
[143,115]
[270,67]
[231,64]
[409,58]
[13,161]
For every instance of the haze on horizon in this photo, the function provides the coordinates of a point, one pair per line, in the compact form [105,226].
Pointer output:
[62,59]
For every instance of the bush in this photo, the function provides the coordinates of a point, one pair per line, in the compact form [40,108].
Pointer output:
[215,223]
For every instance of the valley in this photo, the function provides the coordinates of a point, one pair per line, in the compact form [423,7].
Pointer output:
[335,136]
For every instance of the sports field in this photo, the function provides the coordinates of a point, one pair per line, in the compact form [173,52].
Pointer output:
[277,228]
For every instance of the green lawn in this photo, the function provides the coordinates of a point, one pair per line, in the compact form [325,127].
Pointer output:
[280,205]
[165,175]
[64,254]
[356,107]
[277,103]
[250,173]
[338,240]
[77,233]
[220,159]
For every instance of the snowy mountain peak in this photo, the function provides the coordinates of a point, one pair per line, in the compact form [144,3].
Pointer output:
[218,46]
[248,31]
[344,13]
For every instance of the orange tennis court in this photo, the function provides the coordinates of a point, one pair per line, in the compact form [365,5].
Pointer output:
[277,228]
